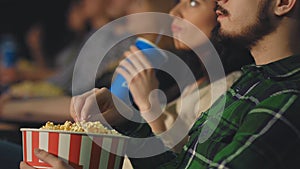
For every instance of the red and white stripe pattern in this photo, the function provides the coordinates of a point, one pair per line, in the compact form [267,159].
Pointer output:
[80,151]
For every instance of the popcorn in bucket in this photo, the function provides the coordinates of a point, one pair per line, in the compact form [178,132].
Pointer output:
[80,149]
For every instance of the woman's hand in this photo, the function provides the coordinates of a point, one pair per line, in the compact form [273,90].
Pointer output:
[140,76]
[55,162]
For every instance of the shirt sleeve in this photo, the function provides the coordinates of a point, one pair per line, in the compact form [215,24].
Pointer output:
[268,137]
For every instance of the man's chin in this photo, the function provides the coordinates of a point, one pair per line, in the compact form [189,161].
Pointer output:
[225,34]
[236,38]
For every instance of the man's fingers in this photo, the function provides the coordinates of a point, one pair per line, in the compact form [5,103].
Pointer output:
[72,110]
[77,104]
[90,107]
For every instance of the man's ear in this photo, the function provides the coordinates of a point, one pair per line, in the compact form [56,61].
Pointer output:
[282,7]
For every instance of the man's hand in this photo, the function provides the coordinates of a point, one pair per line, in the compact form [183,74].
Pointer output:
[55,162]
[99,105]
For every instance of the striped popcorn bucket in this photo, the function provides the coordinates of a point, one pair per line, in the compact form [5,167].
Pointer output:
[81,151]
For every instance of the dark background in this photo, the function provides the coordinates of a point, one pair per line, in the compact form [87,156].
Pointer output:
[17,16]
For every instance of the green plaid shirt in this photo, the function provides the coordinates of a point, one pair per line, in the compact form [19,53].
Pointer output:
[259,126]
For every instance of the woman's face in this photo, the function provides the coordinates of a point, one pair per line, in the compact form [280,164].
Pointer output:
[201,14]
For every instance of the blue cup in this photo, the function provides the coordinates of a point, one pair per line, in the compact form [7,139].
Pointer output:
[154,55]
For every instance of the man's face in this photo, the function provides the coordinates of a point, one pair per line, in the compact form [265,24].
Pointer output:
[245,21]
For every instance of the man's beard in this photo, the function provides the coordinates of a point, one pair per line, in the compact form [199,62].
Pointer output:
[253,33]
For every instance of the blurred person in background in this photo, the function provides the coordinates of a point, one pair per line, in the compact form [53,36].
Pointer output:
[42,81]
[41,68]
[42,65]
[77,22]
[59,81]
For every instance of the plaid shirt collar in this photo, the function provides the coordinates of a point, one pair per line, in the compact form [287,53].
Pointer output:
[283,68]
